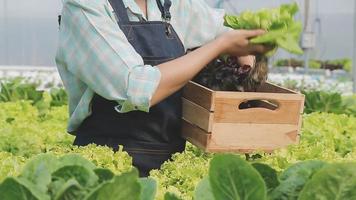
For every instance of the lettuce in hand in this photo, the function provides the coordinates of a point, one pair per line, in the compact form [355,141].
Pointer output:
[283,30]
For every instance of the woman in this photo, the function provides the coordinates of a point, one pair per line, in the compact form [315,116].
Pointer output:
[123,64]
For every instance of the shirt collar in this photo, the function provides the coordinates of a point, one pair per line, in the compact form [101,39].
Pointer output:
[134,8]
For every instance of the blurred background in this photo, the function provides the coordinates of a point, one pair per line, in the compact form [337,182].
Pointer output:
[29,30]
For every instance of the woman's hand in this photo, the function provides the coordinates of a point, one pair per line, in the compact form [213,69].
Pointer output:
[236,43]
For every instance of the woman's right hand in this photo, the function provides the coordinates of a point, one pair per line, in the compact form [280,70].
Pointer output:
[236,43]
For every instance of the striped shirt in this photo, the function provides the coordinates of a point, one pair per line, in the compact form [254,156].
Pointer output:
[94,56]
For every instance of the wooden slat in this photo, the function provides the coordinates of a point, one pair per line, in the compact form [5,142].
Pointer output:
[302,104]
[200,95]
[242,138]
[227,111]
[258,95]
[197,115]
[195,135]
[273,88]
[237,142]
[254,136]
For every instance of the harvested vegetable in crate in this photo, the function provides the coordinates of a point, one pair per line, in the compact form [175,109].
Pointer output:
[226,74]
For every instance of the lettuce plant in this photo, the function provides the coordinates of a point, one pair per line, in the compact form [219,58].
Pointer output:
[72,177]
[233,178]
[282,30]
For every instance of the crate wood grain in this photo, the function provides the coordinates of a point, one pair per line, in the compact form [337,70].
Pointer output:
[218,121]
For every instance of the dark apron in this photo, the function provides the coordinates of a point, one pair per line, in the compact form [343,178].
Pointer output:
[150,138]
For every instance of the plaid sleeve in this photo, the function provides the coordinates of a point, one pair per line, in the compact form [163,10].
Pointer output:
[98,53]
[140,89]
[204,23]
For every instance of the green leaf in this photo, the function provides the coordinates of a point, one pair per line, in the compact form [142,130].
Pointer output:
[104,174]
[10,120]
[231,21]
[76,159]
[59,97]
[148,186]
[335,181]
[70,190]
[38,170]
[85,177]
[203,190]
[232,178]
[292,9]
[171,196]
[294,178]
[288,43]
[268,38]
[20,189]
[55,186]
[268,174]
[123,187]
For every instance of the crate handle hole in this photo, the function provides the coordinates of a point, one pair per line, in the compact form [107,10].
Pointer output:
[259,103]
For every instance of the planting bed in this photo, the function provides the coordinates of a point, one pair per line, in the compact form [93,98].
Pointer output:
[25,133]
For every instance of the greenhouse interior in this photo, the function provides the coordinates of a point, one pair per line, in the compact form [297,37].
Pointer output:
[177,100]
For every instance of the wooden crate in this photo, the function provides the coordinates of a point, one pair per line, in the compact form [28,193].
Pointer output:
[219,121]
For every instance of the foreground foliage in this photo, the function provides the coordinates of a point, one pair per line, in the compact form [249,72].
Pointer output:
[229,177]
[25,133]
[72,177]
[330,138]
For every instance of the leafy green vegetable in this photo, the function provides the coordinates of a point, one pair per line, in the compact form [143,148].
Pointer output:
[104,174]
[59,97]
[68,190]
[344,63]
[72,177]
[18,89]
[148,186]
[335,181]
[18,189]
[321,101]
[75,160]
[123,187]
[84,176]
[29,135]
[268,174]
[203,190]
[294,179]
[233,178]
[171,196]
[38,171]
[283,30]
[180,176]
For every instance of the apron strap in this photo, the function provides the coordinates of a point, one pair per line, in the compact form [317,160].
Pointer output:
[166,14]
[120,11]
